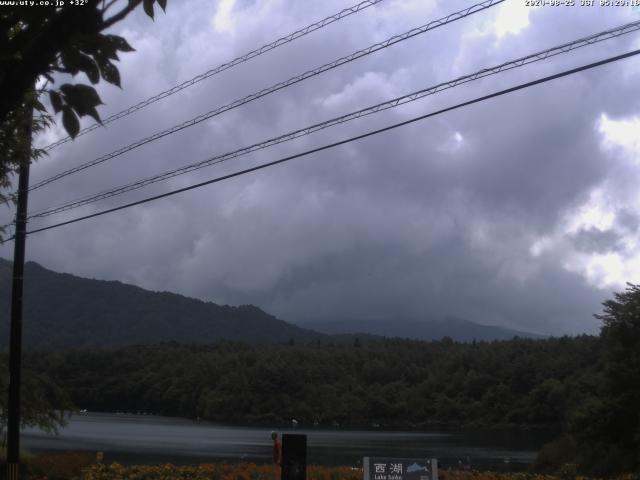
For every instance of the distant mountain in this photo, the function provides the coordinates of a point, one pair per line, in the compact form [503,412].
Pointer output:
[456,328]
[64,311]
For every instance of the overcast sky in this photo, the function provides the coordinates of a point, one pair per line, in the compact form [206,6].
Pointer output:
[521,211]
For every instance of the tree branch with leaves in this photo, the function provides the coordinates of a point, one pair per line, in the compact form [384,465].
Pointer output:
[39,42]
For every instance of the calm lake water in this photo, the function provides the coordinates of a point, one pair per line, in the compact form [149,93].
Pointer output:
[151,439]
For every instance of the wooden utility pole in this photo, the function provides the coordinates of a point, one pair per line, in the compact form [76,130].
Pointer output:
[15,339]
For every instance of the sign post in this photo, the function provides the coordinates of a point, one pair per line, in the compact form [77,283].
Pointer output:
[383,468]
[294,457]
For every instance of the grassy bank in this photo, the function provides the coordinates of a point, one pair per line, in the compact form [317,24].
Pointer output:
[250,471]
[78,466]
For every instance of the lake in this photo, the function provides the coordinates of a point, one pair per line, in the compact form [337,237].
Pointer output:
[154,439]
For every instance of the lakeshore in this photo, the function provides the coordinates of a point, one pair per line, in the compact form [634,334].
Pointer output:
[131,439]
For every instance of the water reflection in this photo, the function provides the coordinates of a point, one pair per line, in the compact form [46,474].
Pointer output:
[146,439]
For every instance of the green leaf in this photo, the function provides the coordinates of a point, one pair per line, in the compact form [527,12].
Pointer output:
[89,44]
[56,100]
[75,61]
[82,99]
[89,67]
[69,57]
[119,43]
[108,51]
[67,89]
[37,105]
[163,4]
[110,73]
[148,7]
[80,94]
[99,46]
[93,113]
[70,122]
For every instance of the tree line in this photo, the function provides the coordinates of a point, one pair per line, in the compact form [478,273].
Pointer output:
[394,383]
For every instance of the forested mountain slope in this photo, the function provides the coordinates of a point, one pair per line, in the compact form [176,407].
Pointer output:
[64,311]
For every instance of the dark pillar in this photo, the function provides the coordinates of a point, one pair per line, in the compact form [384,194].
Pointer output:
[15,339]
[294,457]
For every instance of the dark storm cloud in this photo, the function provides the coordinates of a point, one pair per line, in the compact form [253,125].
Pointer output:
[436,219]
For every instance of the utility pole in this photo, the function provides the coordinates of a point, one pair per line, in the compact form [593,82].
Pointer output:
[15,339]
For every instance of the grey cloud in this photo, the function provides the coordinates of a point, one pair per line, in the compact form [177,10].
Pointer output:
[399,225]
[628,220]
[593,240]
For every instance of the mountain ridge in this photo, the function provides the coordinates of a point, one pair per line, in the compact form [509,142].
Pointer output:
[64,311]
[457,328]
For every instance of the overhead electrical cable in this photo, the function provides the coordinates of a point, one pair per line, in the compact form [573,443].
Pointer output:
[535,57]
[278,86]
[221,68]
[342,142]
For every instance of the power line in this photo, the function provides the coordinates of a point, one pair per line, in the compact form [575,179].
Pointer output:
[542,55]
[342,142]
[279,86]
[225,66]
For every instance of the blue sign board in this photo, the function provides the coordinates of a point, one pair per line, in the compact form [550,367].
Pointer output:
[382,468]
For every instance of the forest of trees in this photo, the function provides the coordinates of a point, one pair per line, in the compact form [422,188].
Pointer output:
[398,383]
